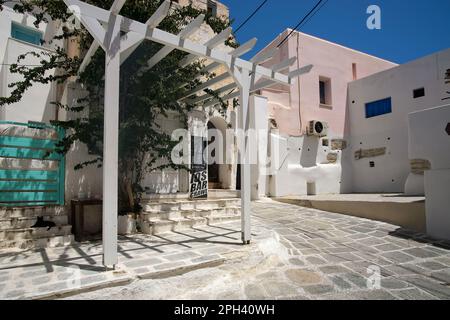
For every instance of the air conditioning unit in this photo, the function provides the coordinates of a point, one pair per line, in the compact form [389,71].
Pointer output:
[317,128]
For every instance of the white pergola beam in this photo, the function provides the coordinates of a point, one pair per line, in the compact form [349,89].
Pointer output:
[206,85]
[261,85]
[186,45]
[303,70]
[243,49]
[211,67]
[230,86]
[224,98]
[88,57]
[165,51]
[235,53]
[159,15]
[115,9]
[219,38]
[283,65]
[212,43]
[117,6]
[264,56]
[95,29]
[132,40]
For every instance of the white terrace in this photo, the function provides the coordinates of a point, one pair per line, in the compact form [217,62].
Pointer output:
[119,36]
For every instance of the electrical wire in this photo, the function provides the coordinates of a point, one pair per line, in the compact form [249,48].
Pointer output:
[250,16]
[303,20]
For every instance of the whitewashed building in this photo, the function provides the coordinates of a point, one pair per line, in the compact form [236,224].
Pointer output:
[378,108]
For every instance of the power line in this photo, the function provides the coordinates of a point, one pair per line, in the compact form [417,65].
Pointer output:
[250,16]
[304,20]
[310,17]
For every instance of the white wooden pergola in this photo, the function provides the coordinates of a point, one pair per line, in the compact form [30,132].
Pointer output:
[119,36]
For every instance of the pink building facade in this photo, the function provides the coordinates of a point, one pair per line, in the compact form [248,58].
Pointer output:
[335,66]
[314,163]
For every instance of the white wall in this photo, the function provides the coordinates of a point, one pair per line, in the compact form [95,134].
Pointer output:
[35,104]
[429,140]
[89,179]
[438,203]
[303,160]
[259,121]
[391,130]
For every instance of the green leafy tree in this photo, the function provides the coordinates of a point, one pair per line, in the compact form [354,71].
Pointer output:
[146,96]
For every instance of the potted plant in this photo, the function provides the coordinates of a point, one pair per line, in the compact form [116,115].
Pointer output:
[130,198]
[126,223]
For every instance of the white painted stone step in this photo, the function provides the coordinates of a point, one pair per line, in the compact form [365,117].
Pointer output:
[45,242]
[190,213]
[31,212]
[158,226]
[158,206]
[223,194]
[27,222]
[34,233]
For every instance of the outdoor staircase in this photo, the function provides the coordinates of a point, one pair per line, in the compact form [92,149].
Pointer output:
[16,231]
[173,215]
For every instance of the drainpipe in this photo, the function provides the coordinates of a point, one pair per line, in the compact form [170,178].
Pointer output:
[298,85]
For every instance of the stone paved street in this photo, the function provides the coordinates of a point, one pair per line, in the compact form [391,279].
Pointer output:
[311,254]
[43,273]
[296,253]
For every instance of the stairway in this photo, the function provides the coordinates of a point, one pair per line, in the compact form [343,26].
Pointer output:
[16,231]
[173,215]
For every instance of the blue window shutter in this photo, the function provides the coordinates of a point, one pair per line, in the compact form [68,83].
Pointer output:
[26,34]
[378,108]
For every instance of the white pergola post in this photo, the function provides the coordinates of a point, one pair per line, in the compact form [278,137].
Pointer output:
[111,150]
[243,123]
[243,80]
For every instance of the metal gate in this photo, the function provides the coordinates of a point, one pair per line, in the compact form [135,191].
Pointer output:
[31,172]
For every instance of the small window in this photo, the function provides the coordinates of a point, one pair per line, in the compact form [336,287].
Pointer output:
[212,8]
[325,91]
[378,108]
[322,92]
[354,71]
[26,34]
[419,93]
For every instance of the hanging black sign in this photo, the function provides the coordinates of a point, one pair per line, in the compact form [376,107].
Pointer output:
[199,175]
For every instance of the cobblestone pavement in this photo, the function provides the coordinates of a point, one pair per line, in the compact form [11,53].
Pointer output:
[296,253]
[312,254]
[32,274]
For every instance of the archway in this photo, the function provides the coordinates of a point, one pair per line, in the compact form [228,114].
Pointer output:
[218,170]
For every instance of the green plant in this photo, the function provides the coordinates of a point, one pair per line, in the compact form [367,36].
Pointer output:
[145,98]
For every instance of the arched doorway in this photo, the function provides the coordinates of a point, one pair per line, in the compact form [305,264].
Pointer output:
[218,170]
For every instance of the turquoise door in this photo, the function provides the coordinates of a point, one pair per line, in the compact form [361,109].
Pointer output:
[31,172]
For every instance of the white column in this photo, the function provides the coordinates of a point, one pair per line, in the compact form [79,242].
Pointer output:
[258,115]
[243,124]
[110,157]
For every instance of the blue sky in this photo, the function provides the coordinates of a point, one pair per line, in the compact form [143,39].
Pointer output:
[410,28]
